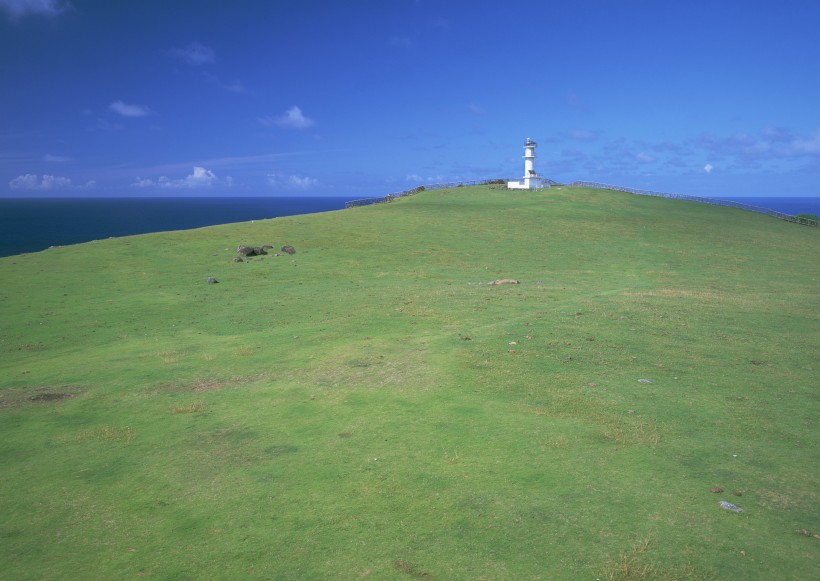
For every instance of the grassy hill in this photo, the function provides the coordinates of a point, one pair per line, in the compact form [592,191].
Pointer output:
[369,408]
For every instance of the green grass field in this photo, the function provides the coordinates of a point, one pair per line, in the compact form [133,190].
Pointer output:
[368,408]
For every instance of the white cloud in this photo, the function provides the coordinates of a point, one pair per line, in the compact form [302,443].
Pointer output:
[197,179]
[708,168]
[46,182]
[292,119]
[421,180]
[194,54]
[643,157]
[18,8]
[56,158]
[127,110]
[302,183]
[278,180]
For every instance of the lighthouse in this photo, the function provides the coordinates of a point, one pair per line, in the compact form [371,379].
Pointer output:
[531,179]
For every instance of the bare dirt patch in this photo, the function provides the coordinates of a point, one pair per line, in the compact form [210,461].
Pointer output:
[50,396]
[37,395]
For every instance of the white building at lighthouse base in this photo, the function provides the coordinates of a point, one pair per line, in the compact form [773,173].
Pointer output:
[531,180]
[529,183]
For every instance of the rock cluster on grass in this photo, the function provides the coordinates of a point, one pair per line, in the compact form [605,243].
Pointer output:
[246,251]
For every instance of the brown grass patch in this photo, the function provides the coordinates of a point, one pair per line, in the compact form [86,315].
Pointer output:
[103,434]
[195,407]
[411,569]
[635,565]
[206,384]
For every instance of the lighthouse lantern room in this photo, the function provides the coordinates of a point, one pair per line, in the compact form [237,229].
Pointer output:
[531,179]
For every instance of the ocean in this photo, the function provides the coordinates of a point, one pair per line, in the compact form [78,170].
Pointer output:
[792,206]
[33,224]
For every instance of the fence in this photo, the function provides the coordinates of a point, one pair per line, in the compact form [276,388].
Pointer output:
[712,201]
[596,185]
[391,197]
[501,182]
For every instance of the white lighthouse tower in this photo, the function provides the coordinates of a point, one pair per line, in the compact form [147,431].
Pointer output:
[531,180]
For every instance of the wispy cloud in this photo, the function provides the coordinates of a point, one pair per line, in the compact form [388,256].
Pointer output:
[476,109]
[401,41]
[297,182]
[197,179]
[293,118]
[127,110]
[194,54]
[235,87]
[770,144]
[573,101]
[18,8]
[708,168]
[440,23]
[582,135]
[56,158]
[34,182]
[807,145]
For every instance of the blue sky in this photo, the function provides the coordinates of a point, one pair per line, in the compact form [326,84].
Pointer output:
[364,97]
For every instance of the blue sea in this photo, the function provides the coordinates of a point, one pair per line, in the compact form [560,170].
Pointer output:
[33,224]
[792,206]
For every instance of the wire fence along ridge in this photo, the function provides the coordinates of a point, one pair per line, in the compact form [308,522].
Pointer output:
[416,190]
[441,186]
[712,201]
[596,185]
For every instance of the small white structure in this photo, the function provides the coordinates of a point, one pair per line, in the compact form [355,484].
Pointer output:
[532,180]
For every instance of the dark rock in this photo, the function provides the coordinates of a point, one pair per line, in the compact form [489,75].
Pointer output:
[288,249]
[244,250]
[212,280]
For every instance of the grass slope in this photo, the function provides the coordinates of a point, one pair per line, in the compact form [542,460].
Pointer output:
[366,408]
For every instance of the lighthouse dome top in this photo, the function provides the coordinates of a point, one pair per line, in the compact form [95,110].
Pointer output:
[530,143]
